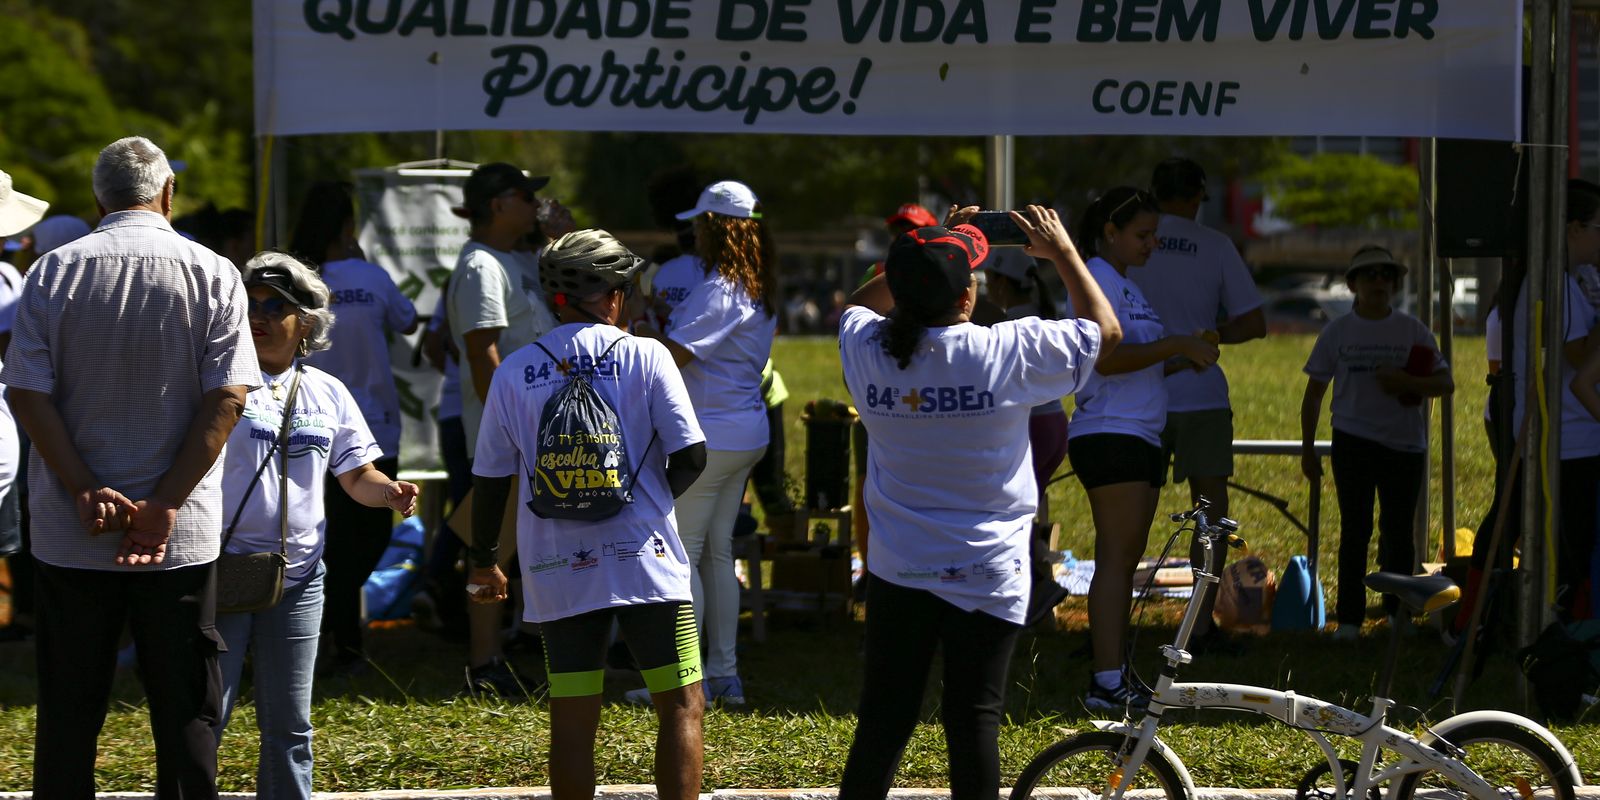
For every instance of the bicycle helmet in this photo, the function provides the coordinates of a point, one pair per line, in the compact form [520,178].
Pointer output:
[586,262]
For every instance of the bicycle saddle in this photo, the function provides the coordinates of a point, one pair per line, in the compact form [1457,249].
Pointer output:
[1423,594]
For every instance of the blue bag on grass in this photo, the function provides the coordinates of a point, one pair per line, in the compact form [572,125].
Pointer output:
[1299,603]
[390,587]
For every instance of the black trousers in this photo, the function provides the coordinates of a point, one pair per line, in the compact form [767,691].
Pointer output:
[1362,467]
[767,476]
[1575,534]
[357,537]
[81,614]
[904,627]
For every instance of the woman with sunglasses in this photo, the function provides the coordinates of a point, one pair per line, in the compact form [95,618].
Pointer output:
[1114,440]
[1382,363]
[721,336]
[289,319]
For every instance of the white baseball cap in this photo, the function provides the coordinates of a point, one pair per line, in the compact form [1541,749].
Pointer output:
[729,198]
[18,211]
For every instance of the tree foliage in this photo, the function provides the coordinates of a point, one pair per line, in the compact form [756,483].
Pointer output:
[1341,190]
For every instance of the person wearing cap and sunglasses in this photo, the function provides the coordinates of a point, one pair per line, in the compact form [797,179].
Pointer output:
[1382,363]
[1114,439]
[950,493]
[491,313]
[721,336]
[629,570]
[290,320]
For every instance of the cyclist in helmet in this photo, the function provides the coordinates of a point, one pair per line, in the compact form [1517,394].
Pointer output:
[630,569]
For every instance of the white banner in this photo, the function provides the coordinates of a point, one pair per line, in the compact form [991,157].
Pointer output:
[1448,68]
[407,228]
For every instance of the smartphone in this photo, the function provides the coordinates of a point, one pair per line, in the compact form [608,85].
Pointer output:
[999,228]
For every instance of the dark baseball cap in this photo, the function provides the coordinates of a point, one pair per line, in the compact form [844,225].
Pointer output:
[1178,178]
[493,180]
[929,268]
[280,280]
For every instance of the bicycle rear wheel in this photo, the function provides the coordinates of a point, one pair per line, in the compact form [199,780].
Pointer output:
[1517,763]
[1088,765]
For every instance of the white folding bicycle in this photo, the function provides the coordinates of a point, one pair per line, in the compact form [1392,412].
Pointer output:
[1484,755]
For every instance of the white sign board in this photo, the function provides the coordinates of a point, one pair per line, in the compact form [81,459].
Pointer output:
[1448,68]
[407,228]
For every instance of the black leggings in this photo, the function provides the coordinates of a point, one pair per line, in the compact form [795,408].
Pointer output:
[357,536]
[1575,532]
[904,626]
[1360,467]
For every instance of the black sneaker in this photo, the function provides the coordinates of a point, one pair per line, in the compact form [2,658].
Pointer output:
[497,679]
[1099,698]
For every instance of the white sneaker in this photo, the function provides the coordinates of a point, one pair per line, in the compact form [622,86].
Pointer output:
[1346,633]
[638,697]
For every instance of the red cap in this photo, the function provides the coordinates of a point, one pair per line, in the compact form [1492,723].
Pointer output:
[918,216]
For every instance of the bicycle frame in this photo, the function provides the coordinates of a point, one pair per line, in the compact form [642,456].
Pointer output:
[1305,713]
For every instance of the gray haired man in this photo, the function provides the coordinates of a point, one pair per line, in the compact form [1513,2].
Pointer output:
[129,364]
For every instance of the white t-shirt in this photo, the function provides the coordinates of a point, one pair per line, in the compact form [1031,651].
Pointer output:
[950,493]
[490,289]
[730,336]
[450,387]
[1348,352]
[1493,336]
[571,567]
[367,307]
[674,281]
[1194,279]
[1580,431]
[1132,403]
[327,436]
[10,292]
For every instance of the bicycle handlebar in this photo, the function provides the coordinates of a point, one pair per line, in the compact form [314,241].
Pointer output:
[1223,529]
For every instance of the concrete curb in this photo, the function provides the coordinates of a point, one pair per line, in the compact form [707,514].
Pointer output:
[645,792]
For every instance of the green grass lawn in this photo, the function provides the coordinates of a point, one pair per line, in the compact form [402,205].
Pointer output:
[401,726]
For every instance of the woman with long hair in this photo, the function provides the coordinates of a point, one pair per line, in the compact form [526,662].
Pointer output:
[371,309]
[1114,442]
[721,336]
[289,319]
[950,494]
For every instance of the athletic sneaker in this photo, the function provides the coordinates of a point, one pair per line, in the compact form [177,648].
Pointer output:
[728,690]
[497,679]
[1099,698]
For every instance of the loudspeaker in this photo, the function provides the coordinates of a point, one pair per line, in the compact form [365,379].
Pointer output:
[1482,210]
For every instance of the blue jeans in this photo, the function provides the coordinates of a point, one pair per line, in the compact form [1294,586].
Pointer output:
[283,640]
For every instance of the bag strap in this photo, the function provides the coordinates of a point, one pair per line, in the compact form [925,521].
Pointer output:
[281,441]
[283,469]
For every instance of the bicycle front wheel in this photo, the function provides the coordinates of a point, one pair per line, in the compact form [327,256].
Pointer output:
[1089,765]
[1517,763]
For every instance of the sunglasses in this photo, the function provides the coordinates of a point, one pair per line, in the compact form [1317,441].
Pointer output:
[1138,196]
[1387,273]
[272,308]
